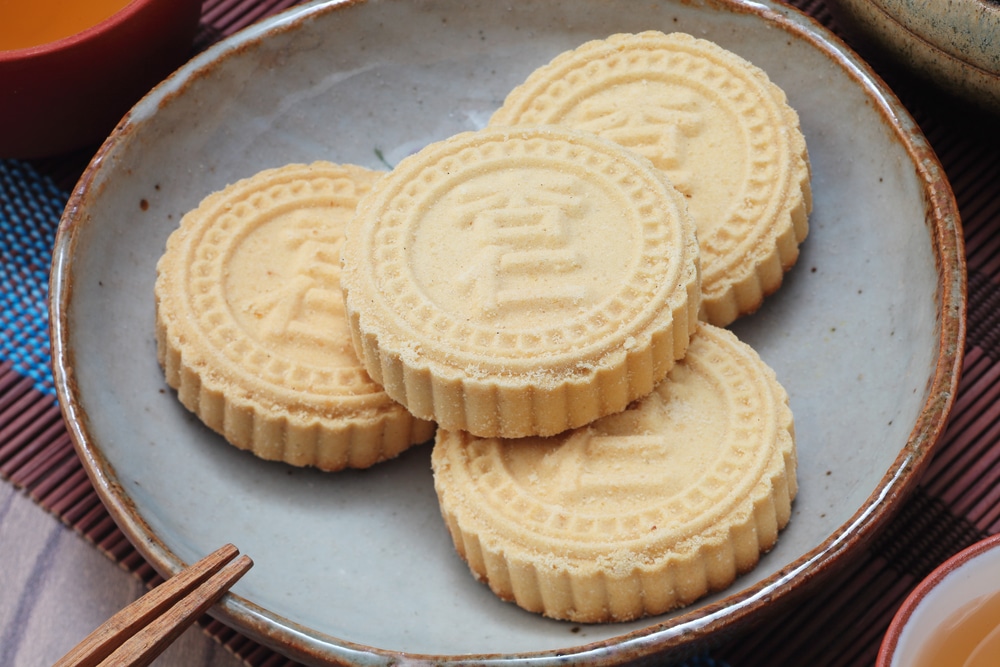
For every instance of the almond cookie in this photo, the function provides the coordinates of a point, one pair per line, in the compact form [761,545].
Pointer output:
[715,124]
[640,512]
[523,281]
[250,323]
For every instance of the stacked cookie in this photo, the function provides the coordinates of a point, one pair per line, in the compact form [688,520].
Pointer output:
[521,281]
[715,124]
[250,323]
[548,291]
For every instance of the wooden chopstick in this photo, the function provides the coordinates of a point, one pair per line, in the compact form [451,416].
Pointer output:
[134,636]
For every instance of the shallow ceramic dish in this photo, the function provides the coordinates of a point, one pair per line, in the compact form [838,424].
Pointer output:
[970,577]
[951,44]
[357,567]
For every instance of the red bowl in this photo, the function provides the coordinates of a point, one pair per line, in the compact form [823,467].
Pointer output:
[69,93]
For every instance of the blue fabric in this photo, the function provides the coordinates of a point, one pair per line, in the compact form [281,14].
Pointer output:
[30,207]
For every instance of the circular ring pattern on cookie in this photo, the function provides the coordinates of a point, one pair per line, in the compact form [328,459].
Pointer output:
[709,119]
[507,250]
[695,457]
[257,270]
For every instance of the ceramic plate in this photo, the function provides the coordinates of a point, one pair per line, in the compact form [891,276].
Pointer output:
[948,44]
[357,567]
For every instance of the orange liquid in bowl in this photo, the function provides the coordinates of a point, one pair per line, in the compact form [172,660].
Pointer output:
[28,23]
[968,638]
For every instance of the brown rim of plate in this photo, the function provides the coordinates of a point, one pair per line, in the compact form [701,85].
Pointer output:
[688,630]
[963,74]
[959,29]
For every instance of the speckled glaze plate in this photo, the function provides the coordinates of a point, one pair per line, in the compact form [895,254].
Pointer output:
[357,567]
[950,44]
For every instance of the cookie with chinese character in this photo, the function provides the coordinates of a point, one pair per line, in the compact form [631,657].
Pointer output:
[522,281]
[715,124]
[250,323]
[640,512]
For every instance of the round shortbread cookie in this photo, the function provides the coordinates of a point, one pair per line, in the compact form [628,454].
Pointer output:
[520,282]
[640,512]
[250,322]
[715,124]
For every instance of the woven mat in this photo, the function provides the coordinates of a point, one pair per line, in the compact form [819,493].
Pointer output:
[957,503]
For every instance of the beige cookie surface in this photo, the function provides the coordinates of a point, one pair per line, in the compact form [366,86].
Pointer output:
[640,512]
[715,124]
[520,282]
[251,329]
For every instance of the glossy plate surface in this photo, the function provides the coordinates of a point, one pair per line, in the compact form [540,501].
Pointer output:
[948,44]
[357,567]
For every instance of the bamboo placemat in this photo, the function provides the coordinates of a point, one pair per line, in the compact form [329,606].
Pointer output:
[957,503]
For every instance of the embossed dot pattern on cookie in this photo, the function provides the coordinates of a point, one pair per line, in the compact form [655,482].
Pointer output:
[264,281]
[521,260]
[696,477]
[714,123]
[521,244]
[251,326]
